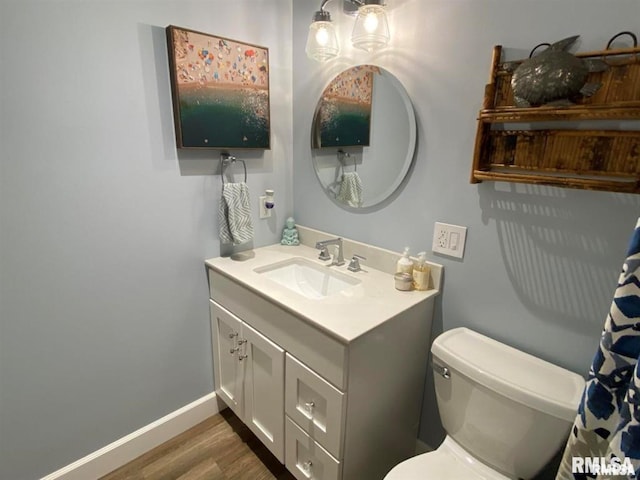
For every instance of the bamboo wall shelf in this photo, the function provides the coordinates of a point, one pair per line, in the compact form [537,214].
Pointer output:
[574,156]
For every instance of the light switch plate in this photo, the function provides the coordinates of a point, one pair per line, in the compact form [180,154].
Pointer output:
[449,239]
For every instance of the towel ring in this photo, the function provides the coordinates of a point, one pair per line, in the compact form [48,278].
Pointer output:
[341,158]
[226,160]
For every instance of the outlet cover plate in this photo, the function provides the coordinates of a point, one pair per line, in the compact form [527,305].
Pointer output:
[449,239]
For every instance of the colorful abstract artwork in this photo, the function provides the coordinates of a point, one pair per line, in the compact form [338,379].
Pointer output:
[343,115]
[220,90]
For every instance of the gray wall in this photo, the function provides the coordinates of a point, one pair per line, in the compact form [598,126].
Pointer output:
[103,226]
[541,263]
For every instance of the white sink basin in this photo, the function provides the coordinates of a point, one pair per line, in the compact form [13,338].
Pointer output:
[307,278]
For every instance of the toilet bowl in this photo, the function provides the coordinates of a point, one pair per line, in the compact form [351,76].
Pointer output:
[506,413]
[450,461]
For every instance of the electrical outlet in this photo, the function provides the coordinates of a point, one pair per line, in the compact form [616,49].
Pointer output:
[443,238]
[264,211]
[449,239]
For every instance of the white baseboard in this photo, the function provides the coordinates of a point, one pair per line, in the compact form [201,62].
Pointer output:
[122,451]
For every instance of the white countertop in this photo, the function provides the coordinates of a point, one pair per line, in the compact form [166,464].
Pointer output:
[345,315]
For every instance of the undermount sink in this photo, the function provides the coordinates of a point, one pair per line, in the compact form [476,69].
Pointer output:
[307,278]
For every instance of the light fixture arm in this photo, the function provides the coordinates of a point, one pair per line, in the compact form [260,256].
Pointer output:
[322,15]
[324,2]
[361,3]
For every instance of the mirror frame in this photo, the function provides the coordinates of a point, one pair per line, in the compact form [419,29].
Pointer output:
[407,160]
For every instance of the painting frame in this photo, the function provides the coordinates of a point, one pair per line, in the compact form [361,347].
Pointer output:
[220,91]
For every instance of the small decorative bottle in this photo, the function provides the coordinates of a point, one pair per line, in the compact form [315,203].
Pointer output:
[405,264]
[421,273]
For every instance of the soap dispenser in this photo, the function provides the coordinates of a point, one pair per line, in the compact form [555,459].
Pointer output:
[405,264]
[421,273]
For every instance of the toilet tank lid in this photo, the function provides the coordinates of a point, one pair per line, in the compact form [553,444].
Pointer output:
[517,375]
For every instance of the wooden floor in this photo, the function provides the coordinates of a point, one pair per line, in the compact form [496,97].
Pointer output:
[220,448]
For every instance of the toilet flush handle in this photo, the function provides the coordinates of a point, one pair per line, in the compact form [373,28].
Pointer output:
[443,371]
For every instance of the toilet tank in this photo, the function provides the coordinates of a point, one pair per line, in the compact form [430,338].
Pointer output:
[509,409]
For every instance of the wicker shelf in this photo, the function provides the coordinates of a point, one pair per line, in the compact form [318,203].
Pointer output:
[579,112]
[571,156]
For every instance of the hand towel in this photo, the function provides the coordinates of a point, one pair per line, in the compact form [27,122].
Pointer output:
[350,189]
[234,214]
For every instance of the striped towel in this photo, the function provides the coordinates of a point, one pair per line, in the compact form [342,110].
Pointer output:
[234,214]
[350,189]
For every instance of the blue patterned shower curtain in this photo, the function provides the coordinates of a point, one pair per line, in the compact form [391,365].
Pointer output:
[606,430]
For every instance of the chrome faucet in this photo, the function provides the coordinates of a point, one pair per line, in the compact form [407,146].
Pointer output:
[338,259]
[354,265]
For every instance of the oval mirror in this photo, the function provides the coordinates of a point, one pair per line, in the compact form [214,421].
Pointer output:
[363,136]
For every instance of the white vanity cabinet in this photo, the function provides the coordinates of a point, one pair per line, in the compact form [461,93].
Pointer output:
[249,376]
[334,387]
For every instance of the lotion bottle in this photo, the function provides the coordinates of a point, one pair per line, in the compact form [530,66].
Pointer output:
[405,264]
[421,273]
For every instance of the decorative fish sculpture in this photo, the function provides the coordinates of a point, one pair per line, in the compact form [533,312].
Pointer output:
[554,77]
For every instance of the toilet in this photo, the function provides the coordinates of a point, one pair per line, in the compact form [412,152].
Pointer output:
[506,413]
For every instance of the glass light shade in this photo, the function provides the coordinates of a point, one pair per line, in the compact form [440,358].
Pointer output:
[371,30]
[322,42]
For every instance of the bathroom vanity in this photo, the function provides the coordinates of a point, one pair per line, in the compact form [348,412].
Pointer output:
[325,366]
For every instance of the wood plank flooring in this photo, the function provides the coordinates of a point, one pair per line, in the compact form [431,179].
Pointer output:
[220,448]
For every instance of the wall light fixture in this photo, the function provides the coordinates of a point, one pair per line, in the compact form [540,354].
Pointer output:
[370,31]
[322,41]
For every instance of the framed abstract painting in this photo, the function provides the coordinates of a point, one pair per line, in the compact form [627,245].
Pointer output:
[220,91]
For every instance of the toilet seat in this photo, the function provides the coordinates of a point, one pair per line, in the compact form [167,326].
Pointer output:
[449,462]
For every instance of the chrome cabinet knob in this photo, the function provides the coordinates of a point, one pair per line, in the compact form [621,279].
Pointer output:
[309,406]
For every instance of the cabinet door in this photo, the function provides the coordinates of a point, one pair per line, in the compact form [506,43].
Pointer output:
[225,332]
[264,389]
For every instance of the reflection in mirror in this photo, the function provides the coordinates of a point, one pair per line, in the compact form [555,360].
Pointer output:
[363,136]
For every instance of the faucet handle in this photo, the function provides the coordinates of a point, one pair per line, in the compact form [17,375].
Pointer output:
[354,265]
[324,254]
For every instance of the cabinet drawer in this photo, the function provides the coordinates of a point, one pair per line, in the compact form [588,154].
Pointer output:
[314,404]
[305,458]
